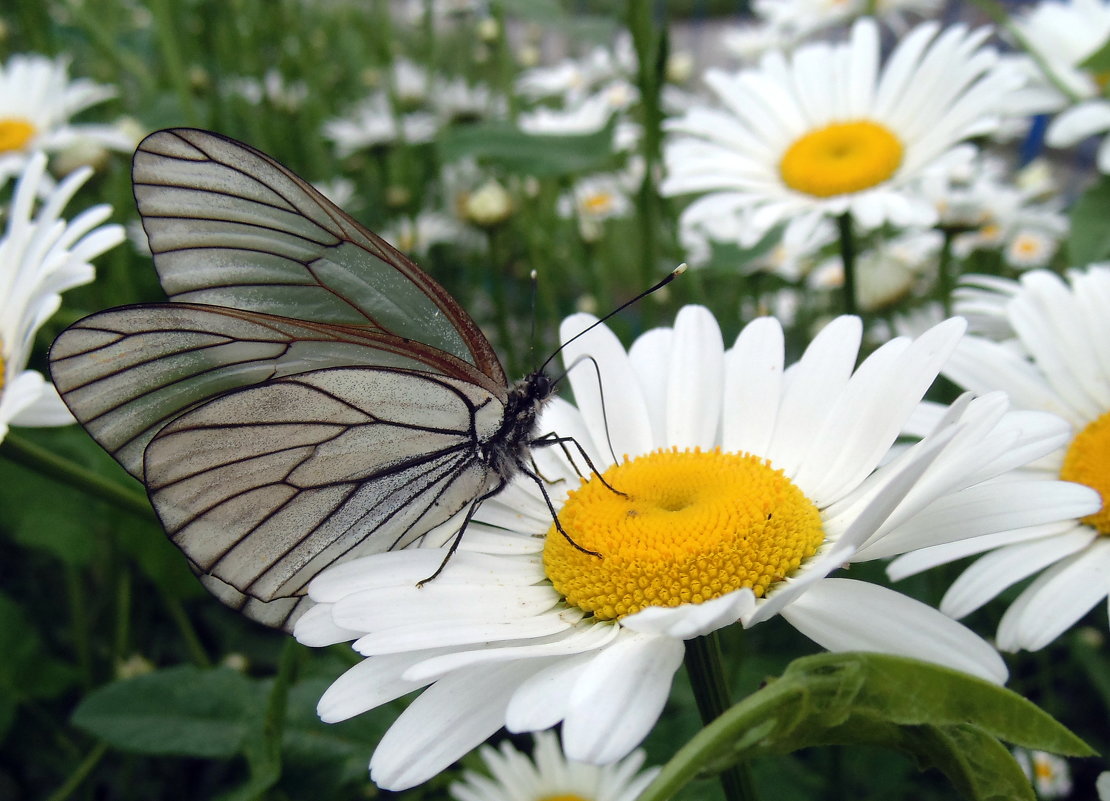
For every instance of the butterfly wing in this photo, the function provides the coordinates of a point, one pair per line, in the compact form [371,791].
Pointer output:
[229,226]
[265,486]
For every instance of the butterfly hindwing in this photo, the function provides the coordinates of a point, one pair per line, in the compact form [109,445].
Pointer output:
[266,486]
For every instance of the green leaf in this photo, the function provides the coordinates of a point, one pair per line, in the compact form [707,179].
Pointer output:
[181,710]
[1098,61]
[26,671]
[1090,235]
[943,718]
[541,155]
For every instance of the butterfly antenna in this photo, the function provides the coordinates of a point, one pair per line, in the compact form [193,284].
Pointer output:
[675,273]
[535,278]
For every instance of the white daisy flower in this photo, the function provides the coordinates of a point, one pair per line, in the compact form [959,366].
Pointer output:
[371,123]
[1062,35]
[1057,361]
[593,200]
[41,255]
[1048,773]
[37,99]
[585,116]
[827,131]
[417,235]
[886,273]
[548,775]
[733,488]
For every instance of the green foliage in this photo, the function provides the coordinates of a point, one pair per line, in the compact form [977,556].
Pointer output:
[1090,235]
[944,719]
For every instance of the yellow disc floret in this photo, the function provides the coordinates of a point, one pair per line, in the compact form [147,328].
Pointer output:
[842,158]
[1088,462]
[15,133]
[677,527]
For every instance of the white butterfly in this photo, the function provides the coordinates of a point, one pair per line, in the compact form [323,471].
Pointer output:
[308,395]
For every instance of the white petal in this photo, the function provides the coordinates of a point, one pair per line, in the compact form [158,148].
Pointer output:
[916,561]
[1078,123]
[650,354]
[848,615]
[693,620]
[450,718]
[820,374]
[47,410]
[542,700]
[369,684]
[615,413]
[753,386]
[695,377]
[317,628]
[996,571]
[450,631]
[1057,599]
[620,697]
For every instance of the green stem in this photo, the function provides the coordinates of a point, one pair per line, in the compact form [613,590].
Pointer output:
[186,630]
[169,34]
[848,257]
[650,43]
[27,453]
[945,279]
[704,665]
[80,773]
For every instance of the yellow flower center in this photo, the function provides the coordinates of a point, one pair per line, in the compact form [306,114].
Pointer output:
[598,203]
[15,133]
[689,527]
[841,158]
[1088,462]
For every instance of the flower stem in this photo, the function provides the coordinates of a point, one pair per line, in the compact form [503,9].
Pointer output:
[704,666]
[944,272]
[848,257]
[80,773]
[27,453]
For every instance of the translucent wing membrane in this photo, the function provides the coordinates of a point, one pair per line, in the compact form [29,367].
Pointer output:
[268,485]
[230,226]
[126,372]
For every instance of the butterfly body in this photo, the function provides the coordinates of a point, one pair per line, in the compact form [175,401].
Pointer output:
[308,394]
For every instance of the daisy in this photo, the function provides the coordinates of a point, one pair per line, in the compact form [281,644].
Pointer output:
[732,490]
[886,273]
[1062,36]
[1056,357]
[595,199]
[827,131]
[372,123]
[1048,772]
[37,99]
[41,255]
[549,775]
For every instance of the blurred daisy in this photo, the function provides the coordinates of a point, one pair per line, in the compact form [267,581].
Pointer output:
[571,80]
[585,116]
[732,490]
[548,775]
[826,131]
[417,235]
[887,272]
[41,255]
[1056,357]
[372,123]
[37,99]
[1048,773]
[1063,35]
[593,200]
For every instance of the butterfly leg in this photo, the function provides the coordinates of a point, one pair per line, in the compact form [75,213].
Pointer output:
[548,440]
[462,530]
[551,508]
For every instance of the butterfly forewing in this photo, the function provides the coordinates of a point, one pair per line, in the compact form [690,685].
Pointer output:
[266,486]
[230,226]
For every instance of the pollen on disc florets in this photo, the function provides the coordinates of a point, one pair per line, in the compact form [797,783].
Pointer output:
[841,159]
[1088,462]
[681,527]
[15,133]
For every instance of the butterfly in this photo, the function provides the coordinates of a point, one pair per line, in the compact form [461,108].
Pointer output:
[308,395]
